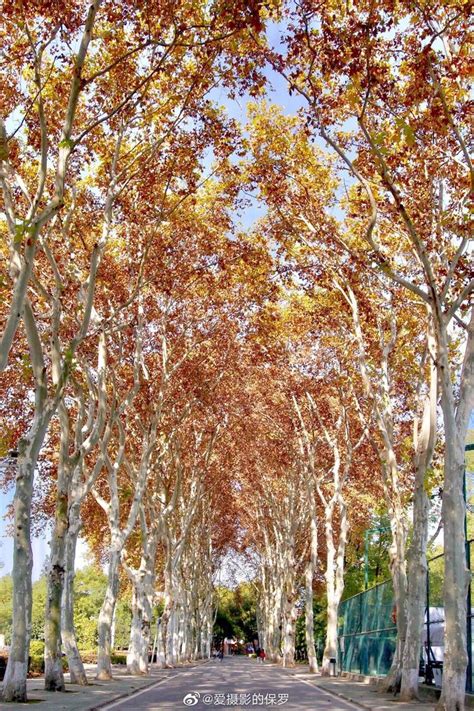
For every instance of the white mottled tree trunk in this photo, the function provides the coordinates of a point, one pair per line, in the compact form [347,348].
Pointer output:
[104,666]
[165,622]
[68,632]
[424,442]
[456,576]
[416,594]
[53,671]
[143,588]
[380,392]
[75,482]
[289,634]
[330,647]
[334,574]
[206,634]
[275,631]
[399,579]
[309,575]
[140,633]
[160,647]
[14,685]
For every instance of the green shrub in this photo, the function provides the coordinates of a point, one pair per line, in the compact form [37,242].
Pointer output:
[36,648]
[118,658]
[88,656]
[36,664]
[37,658]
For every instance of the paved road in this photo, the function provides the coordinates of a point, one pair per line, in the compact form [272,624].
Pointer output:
[236,682]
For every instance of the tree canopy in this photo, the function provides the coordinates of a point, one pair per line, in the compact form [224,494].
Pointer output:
[181,382]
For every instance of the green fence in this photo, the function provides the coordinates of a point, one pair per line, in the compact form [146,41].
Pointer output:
[367,631]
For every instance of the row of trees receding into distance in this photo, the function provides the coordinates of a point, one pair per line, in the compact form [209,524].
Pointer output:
[177,383]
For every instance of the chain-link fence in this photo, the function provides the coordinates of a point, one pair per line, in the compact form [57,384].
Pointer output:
[367,629]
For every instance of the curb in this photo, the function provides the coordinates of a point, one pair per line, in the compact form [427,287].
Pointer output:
[331,692]
[145,687]
[124,695]
[344,697]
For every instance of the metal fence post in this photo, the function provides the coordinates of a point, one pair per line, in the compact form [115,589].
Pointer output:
[428,634]
[468,624]
[468,448]
[366,559]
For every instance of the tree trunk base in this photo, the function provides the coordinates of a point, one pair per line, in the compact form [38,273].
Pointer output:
[393,683]
[409,685]
[14,685]
[80,679]
[409,695]
[77,674]
[452,693]
[54,685]
[103,675]
[54,677]
[135,671]
[449,706]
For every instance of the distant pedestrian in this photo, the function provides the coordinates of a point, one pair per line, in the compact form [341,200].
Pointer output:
[257,652]
[221,653]
[262,655]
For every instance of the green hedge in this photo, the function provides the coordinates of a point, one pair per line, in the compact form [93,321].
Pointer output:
[37,658]
[36,648]
[36,665]
[118,658]
[89,656]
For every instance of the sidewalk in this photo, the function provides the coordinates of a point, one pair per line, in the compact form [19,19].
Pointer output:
[97,694]
[100,693]
[363,693]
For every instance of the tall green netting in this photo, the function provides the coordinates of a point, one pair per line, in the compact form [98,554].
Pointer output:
[367,631]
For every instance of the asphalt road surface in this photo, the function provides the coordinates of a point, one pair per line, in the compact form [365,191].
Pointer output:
[237,683]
